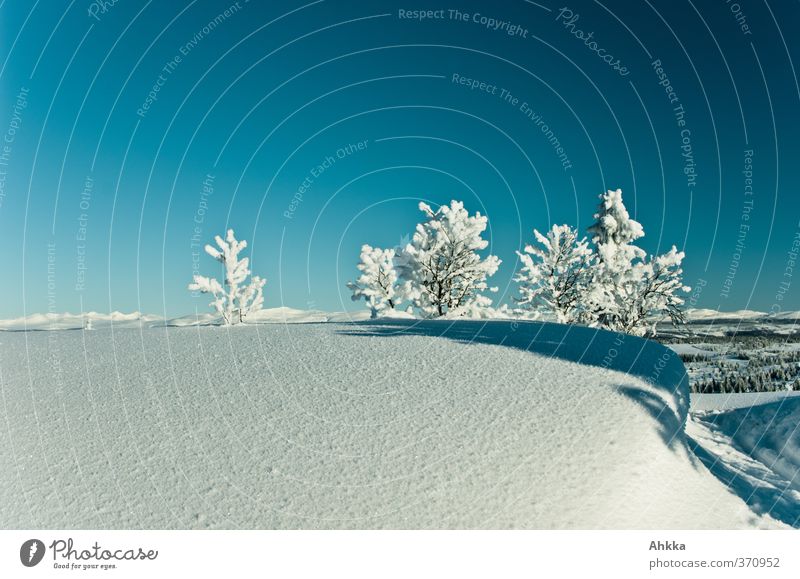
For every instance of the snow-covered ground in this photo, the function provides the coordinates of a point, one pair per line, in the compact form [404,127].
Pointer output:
[722,402]
[397,424]
[751,442]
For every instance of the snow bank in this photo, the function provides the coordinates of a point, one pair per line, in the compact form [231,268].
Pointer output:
[770,433]
[388,424]
[755,451]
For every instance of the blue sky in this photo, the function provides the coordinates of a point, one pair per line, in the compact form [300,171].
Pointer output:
[105,185]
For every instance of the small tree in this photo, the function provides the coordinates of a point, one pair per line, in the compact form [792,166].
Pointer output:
[235,300]
[555,276]
[631,291]
[655,296]
[377,284]
[441,269]
[614,275]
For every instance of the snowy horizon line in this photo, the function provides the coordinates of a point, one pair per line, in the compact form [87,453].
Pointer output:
[118,315]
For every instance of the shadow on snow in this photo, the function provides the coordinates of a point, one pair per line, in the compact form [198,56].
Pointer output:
[659,366]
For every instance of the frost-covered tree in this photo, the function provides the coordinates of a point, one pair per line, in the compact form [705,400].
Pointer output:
[555,275]
[235,299]
[377,284]
[442,272]
[616,285]
[614,273]
[630,291]
[655,295]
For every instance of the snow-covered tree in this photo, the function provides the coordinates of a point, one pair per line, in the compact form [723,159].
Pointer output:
[377,284]
[555,275]
[442,272]
[628,290]
[614,273]
[656,294]
[613,223]
[236,299]
[616,286]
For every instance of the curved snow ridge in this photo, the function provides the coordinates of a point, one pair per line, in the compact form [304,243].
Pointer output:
[656,364]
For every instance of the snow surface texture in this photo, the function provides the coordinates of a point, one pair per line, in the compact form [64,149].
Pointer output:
[387,424]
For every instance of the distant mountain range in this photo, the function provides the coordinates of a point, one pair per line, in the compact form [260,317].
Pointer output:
[699,321]
[68,321]
[713,323]
[706,315]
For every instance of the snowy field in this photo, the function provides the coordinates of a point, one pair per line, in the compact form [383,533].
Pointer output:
[392,424]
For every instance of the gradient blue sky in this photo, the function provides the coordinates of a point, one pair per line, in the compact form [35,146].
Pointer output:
[276,87]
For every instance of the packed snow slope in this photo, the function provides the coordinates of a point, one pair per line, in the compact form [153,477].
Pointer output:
[389,424]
